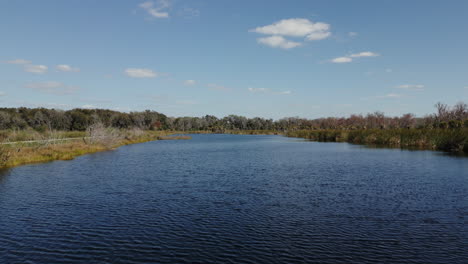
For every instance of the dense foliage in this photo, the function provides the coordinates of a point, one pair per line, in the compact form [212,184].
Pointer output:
[451,140]
[42,119]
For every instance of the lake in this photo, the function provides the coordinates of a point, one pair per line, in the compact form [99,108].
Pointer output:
[238,199]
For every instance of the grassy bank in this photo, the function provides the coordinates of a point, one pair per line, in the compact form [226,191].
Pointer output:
[31,134]
[25,153]
[42,150]
[450,140]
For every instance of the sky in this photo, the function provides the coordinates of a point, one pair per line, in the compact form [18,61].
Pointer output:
[266,58]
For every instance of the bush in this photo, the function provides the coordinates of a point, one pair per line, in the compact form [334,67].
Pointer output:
[99,134]
[453,140]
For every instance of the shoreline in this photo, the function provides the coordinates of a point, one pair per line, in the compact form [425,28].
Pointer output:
[447,141]
[31,154]
[451,141]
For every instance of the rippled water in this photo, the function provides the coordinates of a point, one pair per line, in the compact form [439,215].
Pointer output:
[237,199]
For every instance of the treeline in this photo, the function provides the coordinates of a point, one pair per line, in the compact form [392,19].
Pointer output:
[445,117]
[42,119]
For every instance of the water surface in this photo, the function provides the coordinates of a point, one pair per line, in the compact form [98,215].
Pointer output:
[237,199]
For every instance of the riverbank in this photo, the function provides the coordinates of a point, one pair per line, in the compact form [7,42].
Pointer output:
[448,140]
[37,151]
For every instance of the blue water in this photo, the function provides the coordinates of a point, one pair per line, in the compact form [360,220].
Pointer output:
[238,199]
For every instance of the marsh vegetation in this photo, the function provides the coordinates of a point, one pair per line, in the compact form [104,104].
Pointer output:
[35,135]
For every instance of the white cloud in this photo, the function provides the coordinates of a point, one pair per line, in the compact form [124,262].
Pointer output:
[364,54]
[88,106]
[140,73]
[66,68]
[38,69]
[390,95]
[346,59]
[386,96]
[388,70]
[157,10]
[2,93]
[284,92]
[294,27]
[266,90]
[28,67]
[278,42]
[318,36]
[258,90]
[52,87]
[18,61]
[415,87]
[190,82]
[342,60]
[352,34]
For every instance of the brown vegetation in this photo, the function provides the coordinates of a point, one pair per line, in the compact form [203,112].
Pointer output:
[35,135]
[450,140]
[98,138]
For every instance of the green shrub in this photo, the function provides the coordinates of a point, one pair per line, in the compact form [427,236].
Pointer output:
[453,140]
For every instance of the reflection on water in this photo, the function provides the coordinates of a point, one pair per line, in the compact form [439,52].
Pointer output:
[237,199]
[3,175]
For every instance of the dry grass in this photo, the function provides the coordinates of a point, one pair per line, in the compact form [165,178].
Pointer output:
[15,135]
[66,151]
[20,154]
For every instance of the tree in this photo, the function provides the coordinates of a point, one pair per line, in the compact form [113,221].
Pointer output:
[5,120]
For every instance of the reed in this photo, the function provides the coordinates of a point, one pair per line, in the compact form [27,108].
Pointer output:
[450,140]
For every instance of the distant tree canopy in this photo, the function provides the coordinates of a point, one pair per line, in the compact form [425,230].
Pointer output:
[42,119]
[77,119]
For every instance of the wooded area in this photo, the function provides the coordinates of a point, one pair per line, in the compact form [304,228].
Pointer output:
[42,119]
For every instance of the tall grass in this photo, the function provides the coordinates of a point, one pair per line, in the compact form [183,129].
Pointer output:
[451,140]
[24,153]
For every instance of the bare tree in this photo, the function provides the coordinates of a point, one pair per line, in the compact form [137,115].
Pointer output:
[460,111]
[442,112]
[99,134]
[407,121]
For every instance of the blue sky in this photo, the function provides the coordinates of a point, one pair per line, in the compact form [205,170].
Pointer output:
[254,58]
